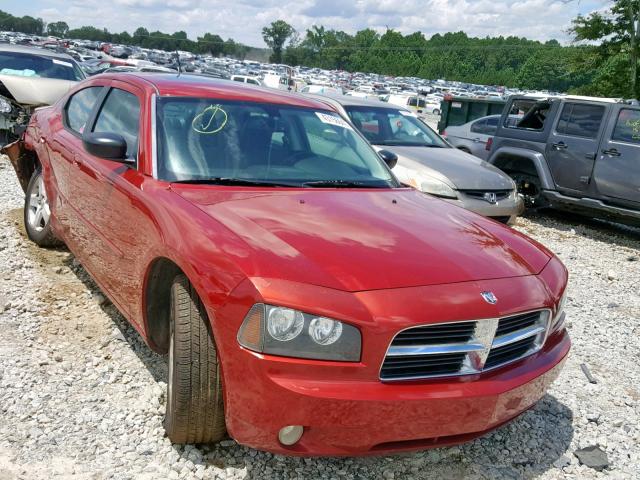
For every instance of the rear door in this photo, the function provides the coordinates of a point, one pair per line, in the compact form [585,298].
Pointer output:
[573,145]
[617,171]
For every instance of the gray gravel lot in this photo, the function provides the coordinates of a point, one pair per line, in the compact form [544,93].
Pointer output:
[81,396]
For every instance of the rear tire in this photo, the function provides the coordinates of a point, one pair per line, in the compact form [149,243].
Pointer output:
[195,405]
[530,188]
[436,111]
[37,213]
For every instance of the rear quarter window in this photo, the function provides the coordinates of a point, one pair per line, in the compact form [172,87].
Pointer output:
[627,127]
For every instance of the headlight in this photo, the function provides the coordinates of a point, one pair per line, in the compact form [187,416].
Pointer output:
[436,187]
[288,332]
[284,324]
[5,105]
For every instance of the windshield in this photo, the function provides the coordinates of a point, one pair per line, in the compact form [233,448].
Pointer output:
[27,65]
[390,126]
[210,139]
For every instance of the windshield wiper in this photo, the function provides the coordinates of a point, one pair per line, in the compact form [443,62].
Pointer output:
[340,184]
[237,181]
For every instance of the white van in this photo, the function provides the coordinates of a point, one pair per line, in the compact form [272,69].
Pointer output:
[246,79]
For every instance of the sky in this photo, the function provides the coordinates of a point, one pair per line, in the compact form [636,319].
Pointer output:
[243,20]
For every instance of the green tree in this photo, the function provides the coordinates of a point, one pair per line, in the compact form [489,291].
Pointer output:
[616,32]
[275,36]
[211,43]
[58,29]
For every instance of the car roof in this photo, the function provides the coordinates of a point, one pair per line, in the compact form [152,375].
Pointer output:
[42,52]
[349,101]
[188,85]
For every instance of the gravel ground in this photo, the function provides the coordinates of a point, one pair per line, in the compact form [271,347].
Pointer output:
[82,397]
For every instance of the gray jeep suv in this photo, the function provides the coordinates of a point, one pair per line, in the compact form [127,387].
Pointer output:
[573,153]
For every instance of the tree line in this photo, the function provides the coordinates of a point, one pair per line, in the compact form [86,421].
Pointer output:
[208,43]
[602,60]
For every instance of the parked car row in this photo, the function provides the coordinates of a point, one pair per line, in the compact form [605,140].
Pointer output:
[273,243]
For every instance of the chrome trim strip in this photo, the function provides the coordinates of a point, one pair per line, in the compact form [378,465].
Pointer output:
[516,336]
[154,138]
[439,349]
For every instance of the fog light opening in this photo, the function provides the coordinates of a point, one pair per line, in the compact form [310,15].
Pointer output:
[290,434]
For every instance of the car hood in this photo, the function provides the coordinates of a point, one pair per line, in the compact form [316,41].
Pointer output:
[464,171]
[35,91]
[355,240]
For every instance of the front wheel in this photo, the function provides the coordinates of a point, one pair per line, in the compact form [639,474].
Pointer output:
[195,406]
[37,213]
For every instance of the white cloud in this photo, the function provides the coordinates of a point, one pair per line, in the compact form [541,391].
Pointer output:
[243,20]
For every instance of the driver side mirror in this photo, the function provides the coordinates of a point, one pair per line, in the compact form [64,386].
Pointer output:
[109,146]
[389,158]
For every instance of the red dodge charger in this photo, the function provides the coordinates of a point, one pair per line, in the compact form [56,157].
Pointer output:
[309,303]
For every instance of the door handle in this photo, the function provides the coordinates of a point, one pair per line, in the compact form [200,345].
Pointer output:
[559,146]
[612,152]
[76,163]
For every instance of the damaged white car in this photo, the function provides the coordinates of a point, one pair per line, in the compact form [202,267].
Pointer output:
[29,78]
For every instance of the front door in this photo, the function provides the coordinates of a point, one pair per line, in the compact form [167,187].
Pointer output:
[617,171]
[573,145]
[104,195]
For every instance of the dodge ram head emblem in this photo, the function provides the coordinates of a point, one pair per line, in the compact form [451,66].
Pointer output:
[491,197]
[489,297]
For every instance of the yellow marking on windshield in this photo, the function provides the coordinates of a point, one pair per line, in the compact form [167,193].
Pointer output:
[211,120]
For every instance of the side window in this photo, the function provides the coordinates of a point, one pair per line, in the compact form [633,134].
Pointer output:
[121,114]
[492,125]
[529,114]
[479,127]
[580,120]
[79,107]
[627,126]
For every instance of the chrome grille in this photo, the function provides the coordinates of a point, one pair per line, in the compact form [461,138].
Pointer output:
[480,194]
[463,348]
[434,334]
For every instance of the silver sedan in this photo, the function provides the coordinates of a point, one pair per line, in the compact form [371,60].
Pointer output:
[430,164]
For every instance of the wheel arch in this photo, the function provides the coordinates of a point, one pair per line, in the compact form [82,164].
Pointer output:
[157,300]
[511,160]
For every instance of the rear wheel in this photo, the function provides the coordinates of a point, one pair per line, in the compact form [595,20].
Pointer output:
[530,188]
[37,213]
[195,407]
[436,111]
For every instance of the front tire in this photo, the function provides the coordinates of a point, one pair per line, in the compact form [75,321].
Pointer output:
[37,213]
[195,405]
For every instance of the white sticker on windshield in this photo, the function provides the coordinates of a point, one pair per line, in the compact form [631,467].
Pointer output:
[61,62]
[407,114]
[331,120]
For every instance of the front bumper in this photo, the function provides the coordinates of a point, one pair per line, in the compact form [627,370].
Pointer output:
[363,418]
[506,210]
[345,409]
